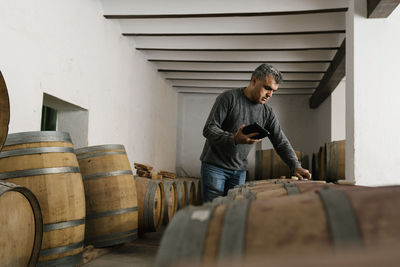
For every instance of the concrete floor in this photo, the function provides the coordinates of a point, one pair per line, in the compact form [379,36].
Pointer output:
[140,253]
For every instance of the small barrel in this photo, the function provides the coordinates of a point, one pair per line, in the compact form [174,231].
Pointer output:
[45,163]
[335,161]
[270,166]
[21,228]
[198,198]
[182,193]
[110,192]
[328,220]
[322,163]
[4,111]
[150,194]
[170,200]
[315,170]
[190,191]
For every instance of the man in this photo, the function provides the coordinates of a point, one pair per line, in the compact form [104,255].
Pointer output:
[224,156]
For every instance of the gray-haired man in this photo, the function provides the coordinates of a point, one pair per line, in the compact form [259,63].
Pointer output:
[224,156]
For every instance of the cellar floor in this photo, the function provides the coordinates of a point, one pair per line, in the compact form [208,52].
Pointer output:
[141,252]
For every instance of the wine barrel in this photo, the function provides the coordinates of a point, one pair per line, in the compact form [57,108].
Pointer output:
[328,220]
[191,198]
[335,161]
[150,194]
[198,198]
[315,170]
[269,165]
[4,111]
[182,193]
[170,200]
[46,164]
[110,192]
[21,228]
[322,163]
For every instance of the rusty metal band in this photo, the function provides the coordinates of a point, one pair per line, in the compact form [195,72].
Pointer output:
[234,231]
[37,137]
[291,189]
[36,150]
[62,225]
[342,222]
[98,148]
[106,174]
[110,213]
[177,245]
[34,172]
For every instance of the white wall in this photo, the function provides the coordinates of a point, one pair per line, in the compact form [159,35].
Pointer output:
[338,110]
[306,128]
[372,94]
[193,112]
[69,50]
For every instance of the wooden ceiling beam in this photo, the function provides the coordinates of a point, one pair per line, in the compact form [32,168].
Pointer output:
[221,15]
[234,34]
[236,50]
[381,8]
[331,79]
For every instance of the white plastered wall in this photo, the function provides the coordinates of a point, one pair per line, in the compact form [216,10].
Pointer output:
[338,99]
[69,50]
[372,95]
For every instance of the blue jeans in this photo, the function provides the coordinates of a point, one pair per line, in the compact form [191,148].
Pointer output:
[217,181]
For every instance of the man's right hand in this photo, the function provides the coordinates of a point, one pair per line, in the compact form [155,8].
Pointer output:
[241,138]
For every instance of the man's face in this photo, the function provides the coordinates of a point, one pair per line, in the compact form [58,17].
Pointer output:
[263,89]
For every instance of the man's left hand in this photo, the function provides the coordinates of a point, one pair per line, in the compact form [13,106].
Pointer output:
[302,173]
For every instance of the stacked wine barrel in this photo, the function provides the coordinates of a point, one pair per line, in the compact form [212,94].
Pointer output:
[110,192]
[45,163]
[329,163]
[150,193]
[170,200]
[269,165]
[282,218]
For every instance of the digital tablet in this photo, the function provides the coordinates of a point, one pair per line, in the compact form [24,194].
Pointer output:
[255,128]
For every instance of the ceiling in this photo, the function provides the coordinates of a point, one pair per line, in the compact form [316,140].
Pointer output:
[208,46]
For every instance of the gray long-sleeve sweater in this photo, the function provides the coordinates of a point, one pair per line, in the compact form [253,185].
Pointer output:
[231,110]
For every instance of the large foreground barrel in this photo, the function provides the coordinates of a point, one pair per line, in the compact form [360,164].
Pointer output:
[151,204]
[170,200]
[46,164]
[269,165]
[4,111]
[110,191]
[328,220]
[21,228]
